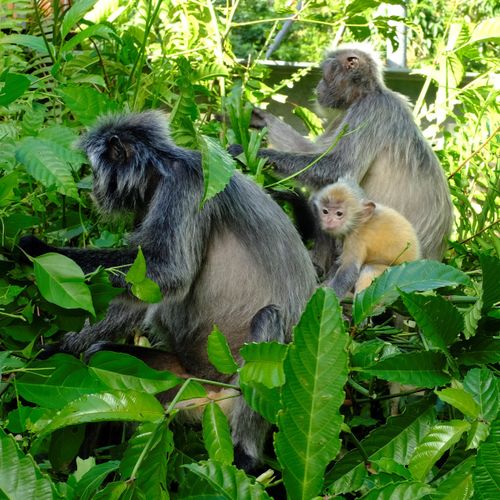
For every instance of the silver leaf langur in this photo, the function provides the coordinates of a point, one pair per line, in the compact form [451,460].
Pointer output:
[237,263]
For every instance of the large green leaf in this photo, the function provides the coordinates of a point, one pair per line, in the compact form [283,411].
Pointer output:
[409,277]
[90,482]
[20,477]
[216,434]
[439,439]
[62,282]
[214,480]
[43,161]
[263,400]
[478,351]
[440,321]
[263,364]
[145,459]
[483,386]
[218,166]
[35,43]
[487,473]
[487,30]
[95,30]
[316,371]
[459,399]
[75,14]
[57,381]
[219,353]
[124,372]
[396,439]
[457,483]
[14,86]
[404,490]
[423,369]
[112,405]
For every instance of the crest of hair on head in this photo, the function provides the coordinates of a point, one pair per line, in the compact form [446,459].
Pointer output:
[348,194]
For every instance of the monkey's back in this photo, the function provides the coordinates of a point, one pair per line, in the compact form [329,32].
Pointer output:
[389,237]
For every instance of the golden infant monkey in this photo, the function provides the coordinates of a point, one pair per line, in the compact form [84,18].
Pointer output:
[373,236]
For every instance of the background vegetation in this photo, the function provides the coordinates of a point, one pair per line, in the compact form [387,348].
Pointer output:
[64,64]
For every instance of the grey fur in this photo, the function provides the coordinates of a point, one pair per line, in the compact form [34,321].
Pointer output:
[383,149]
[220,265]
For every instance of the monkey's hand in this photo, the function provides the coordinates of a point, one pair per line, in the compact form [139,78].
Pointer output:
[33,246]
[235,150]
[259,119]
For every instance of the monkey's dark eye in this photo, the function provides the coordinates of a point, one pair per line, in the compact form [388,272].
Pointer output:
[325,211]
[339,213]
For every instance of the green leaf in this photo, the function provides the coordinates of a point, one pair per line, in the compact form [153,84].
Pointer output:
[457,483]
[64,446]
[263,400]
[20,477]
[486,475]
[9,292]
[96,30]
[404,490]
[147,454]
[218,166]
[439,439]
[87,103]
[113,405]
[35,43]
[214,480]
[483,386]
[478,351]
[219,353]
[440,321]
[14,86]
[55,382]
[485,31]
[396,439]
[423,369]
[459,399]
[143,288]
[316,371]
[263,364]
[216,435]
[90,482]
[491,271]
[472,316]
[61,281]
[478,433]
[7,184]
[73,15]
[124,372]
[43,162]
[409,277]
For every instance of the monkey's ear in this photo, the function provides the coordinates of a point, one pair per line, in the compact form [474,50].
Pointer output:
[351,62]
[368,208]
[117,150]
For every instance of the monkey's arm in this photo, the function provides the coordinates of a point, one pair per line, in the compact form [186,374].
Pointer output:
[281,135]
[352,257]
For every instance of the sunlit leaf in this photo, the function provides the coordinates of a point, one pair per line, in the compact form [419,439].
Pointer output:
[483,386]
[457,483]
[263,364]
[219,353]
[460,399]
[92,480]
[74,14]
[404,490]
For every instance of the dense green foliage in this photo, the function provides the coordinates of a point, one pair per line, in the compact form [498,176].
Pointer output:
[328,391]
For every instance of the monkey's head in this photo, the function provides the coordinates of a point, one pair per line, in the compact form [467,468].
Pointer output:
[342,208]
[349,73]
[127,156]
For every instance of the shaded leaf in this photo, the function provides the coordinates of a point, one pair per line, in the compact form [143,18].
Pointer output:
[216,434]
[423,369]
[491,271]
[62,282]
[478,433]
[440,438]
[486,475]
[263,364]
[263,400]
[14,86]
[219,353]
[97,30]
[440,321]
[457,483]
[409,277]
[20,477]
[213,480]
[35,43]
[478,351]
[92,480]
[404,490]
[316,371]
